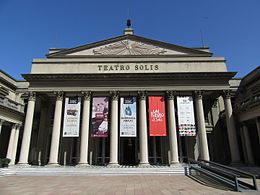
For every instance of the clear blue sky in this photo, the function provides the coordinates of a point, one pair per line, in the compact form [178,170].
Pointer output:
[28,28]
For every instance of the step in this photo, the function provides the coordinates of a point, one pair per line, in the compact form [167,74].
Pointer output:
[93,170]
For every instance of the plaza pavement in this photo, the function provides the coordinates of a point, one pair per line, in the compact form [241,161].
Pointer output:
[108,185]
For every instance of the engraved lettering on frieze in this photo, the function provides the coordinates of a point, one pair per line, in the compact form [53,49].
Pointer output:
[137,67]
[127,47]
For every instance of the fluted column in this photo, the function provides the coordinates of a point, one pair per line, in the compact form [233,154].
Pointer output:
[203,142]
[24,153]
[172,129]
[249,153]
[85,130]
[114,130]
[143,129]
[55,139]
[11,142]
[257,121]
[16,137]
[231,130]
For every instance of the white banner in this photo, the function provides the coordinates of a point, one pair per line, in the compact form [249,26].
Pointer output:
[186,121]
[71,117]
[128,117]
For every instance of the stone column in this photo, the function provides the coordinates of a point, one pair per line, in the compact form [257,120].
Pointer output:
[249,153]
[1,124]
[114,130]
[231,129]
[55,139]
[172,129]
[257,121]
[85,130]
[204,151]
[24,153]
[16,137]
[143,130]
[11,142]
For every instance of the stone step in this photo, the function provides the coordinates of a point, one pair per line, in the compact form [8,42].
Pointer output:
[93,170]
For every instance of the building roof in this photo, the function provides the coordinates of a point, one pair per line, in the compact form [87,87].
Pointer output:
[126,45]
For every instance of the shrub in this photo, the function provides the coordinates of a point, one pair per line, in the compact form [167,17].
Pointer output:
[4,162]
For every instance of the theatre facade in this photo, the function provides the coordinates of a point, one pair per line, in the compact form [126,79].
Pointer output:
[127,100]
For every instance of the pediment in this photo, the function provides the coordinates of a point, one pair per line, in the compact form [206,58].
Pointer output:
[128,45]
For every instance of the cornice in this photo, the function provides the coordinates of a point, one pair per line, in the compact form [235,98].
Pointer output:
[131,76]
[127,59]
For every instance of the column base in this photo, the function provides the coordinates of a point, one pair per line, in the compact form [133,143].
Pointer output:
[23,165]
[144,165]
[236,164]
[175,164]
[52,165]
[113,165]
[82,165]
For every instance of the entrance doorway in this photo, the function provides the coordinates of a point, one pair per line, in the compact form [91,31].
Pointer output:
[128,151]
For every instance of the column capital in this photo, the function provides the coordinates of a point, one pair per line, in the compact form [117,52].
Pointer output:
[142,95]
[243,124]
[170,95]
[226,94]
[18,126]
[59,95]
[15,126]
[86,95]
[198,94]
[114,95]
[31,96]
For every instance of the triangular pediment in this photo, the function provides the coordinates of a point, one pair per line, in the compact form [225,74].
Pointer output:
[128,45]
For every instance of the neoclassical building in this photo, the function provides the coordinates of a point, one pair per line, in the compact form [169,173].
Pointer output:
[127,100]
[247,111]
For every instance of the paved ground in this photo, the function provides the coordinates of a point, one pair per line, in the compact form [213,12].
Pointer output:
[106,185]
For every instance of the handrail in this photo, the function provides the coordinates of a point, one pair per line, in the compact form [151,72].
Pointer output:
[229,168]
[227,172]
[217,177]
[236,171]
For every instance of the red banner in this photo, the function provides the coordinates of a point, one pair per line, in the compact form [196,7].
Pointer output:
[157,120]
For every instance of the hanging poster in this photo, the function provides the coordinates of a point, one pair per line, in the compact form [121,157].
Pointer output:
[99,119]
[128,116]
[157,120]
[71,117]
[186,121]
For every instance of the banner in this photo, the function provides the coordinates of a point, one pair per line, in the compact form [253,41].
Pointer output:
[71,117]
[99,119]
[186,121]
[128,117]
[157,116]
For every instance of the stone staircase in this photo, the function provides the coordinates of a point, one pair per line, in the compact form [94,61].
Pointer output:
[181,169]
